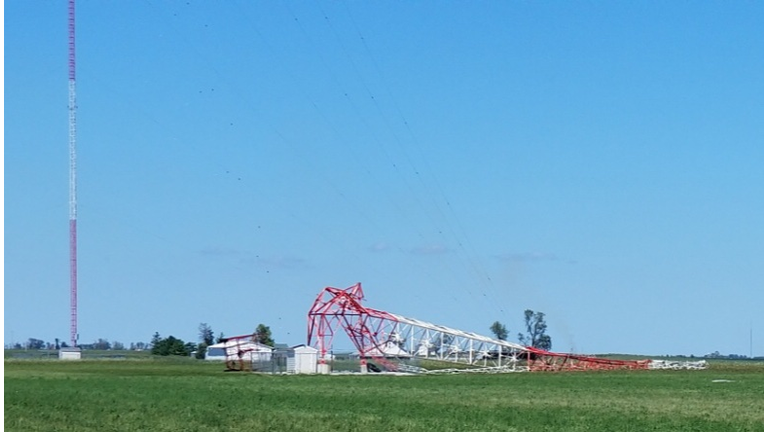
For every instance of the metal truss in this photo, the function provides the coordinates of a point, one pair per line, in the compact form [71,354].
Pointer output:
[388,337]
[540,360]
[391,340]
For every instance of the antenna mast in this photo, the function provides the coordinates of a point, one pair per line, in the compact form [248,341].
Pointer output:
[72,182]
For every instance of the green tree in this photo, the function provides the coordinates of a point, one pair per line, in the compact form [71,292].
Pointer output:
[34,343]
[188,348]
[206,334]
[102,344]
[171,346]
[263,335]
[499,330]
[200,351]
[535,331]
[155,340]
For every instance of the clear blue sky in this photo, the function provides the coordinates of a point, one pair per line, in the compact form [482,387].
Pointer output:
[599,161]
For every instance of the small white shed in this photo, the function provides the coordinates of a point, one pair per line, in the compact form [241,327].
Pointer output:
[305,359]
[69,353]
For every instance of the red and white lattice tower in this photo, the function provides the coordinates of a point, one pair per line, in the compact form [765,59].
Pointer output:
[72,182]
[388,338]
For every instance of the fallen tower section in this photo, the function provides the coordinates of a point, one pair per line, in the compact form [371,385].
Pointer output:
[396,343]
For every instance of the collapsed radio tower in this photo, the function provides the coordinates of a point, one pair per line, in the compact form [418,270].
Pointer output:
[387,339]
[382,336]
[72,182]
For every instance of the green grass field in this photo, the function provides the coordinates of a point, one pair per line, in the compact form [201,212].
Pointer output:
[188,395]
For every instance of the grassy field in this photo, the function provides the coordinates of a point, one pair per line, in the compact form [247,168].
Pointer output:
[45,354]
[188,395]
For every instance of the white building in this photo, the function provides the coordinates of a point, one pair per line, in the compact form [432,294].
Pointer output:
[69,353]
[237,349]
[304,360]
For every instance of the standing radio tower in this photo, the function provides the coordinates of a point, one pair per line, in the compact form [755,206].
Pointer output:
[72,182]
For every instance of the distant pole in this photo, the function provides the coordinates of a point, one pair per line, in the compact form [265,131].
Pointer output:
[72,182]
[750,339]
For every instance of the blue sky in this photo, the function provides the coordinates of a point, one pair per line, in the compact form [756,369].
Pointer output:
[599,161]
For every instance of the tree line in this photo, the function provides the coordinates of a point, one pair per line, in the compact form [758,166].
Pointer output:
[99,344]
[158,345]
